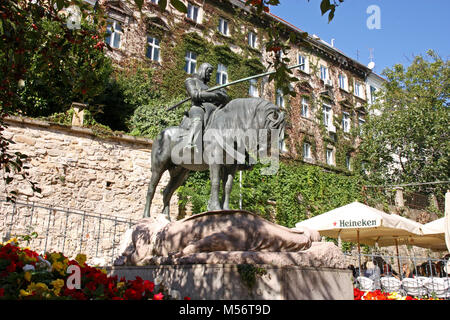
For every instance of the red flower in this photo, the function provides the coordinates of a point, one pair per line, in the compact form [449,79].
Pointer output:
[2,292]
[11,267]
[158,296]
[91,285]
[187,298]
[149,286]
[357,293]
[131,294]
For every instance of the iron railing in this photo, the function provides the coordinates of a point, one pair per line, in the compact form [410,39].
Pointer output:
[427,277]
[63,230]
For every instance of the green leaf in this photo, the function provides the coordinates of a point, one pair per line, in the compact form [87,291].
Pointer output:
[331,14]
[139,3]
[179,5]
[325,6]
[162,4]
[60,4]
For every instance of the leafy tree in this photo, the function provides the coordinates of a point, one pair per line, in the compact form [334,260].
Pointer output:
[406,138]
[45,65]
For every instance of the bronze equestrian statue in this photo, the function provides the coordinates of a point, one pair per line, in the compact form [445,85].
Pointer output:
[182,149]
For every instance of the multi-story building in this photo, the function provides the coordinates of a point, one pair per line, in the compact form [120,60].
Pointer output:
[325,116]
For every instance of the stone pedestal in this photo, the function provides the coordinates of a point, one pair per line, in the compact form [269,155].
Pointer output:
[225,282]
[234,255]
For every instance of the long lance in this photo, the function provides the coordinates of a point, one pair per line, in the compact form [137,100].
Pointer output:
[233,83]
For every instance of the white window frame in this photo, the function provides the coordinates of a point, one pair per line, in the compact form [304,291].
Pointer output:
[154,47]
[222,74]
[301,58]
[114,29]
[329,156]
[372,91]
[193,12]
[358,89]
[361,122]
[252,39]
[283,147]
[348,162]
[327,116]
[279,99]
[224,26]
[253,89]
[346,122]
[304,108]
[191,62]
[306,151]
[324,73]
[343,81]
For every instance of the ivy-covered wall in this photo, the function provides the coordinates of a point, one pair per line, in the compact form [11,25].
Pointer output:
[302,188]
[178,34]
[297,192]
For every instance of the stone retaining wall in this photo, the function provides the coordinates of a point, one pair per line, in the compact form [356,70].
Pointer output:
[79,170]
[226,282]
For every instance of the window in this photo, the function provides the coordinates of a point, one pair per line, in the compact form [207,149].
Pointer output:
[154,1]
[223,26]
[280,99]
[373,91]
[192,12]
[323,73]
[358,89]
[283,147]
[361,122]
[305,108]
[348,162]
[222,74]
[253,91]
[302,60]
[252,39]
[346,122]
[191,62]
[343,81]
[114,31]
[329,155]
[153,49]
[327,116]
[306,150]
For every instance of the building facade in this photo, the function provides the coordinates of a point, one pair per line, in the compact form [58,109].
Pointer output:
[332,94]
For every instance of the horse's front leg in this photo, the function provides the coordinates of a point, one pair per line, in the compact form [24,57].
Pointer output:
[214,203]
[229,174]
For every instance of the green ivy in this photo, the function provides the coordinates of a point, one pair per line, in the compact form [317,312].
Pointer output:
[297,192]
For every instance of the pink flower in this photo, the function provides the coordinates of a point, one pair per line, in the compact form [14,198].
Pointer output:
[158,296]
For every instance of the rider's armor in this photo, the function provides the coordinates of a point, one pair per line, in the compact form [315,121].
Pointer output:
[197,89]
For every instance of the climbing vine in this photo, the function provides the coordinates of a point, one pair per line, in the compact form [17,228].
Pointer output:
[297,192]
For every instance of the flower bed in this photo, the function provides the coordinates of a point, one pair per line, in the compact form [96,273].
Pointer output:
[380,295]
[24,274]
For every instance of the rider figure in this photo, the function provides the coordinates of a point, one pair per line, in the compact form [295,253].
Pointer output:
[197,87]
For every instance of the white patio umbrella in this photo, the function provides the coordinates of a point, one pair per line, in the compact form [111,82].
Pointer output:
[433,236]
[357,222]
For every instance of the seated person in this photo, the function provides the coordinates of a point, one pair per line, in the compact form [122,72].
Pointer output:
[406,271]
[373,272]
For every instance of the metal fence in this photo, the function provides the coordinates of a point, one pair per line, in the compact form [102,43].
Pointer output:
[63,230]
[408,275]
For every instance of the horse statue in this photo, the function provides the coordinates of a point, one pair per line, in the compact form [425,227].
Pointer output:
[239,121]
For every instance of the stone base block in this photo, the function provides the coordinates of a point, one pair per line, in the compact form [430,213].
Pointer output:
[225,282]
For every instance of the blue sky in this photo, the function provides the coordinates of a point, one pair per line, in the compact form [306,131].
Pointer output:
[408,28]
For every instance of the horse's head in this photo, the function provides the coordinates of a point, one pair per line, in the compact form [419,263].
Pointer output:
[272,120]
